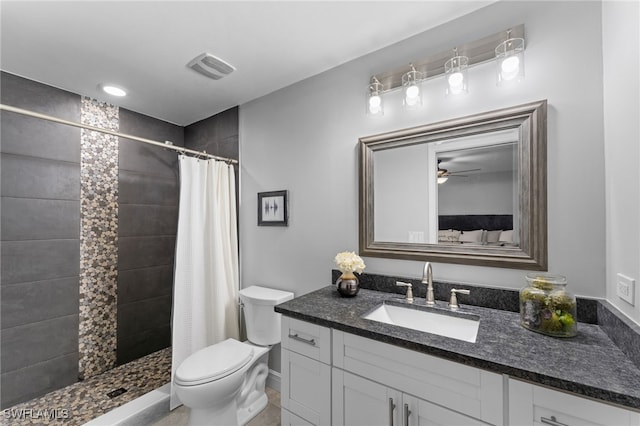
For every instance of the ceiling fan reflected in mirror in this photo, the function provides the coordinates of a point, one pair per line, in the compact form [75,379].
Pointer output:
[444,174]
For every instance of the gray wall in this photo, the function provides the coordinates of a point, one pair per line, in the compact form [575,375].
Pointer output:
[621,39]
[482,193]
[148,221]
[304,138]
[40,241]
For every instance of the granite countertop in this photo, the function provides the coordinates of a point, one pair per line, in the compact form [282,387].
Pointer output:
[589,364]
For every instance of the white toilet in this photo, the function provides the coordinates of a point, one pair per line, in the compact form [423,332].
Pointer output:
[224,384]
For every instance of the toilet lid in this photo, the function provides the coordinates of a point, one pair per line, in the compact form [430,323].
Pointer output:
[214,362]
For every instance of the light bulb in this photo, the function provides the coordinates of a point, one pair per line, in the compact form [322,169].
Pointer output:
[456,82]
[510,67]
[375,103]
[412,95]
[456,79]
[412,92]
[411,101]
[442,179]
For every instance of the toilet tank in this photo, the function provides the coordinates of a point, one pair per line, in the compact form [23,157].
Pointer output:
[262,322]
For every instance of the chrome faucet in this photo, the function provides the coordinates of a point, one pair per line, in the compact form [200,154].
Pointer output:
[427,278]
[453,303]
[409,296]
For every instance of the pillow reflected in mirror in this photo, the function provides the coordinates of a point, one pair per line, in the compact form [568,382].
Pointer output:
[471,236]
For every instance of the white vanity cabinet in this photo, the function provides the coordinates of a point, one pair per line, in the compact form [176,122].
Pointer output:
[330,377]
[530,405]
[369,377]
[305,394]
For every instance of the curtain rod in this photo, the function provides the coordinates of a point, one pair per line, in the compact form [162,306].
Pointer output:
[166,144]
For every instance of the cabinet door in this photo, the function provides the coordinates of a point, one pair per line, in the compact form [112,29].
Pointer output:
[418,412]
[361,402]
[534,405]
[306,388]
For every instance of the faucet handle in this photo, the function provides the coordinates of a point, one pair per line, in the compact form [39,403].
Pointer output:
[453,302]
[409,286]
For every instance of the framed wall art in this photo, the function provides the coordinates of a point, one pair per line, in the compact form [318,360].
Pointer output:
[272,208]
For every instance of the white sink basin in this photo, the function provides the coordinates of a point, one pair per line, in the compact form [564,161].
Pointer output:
[430,321]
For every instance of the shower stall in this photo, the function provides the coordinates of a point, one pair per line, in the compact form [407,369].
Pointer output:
[88,239]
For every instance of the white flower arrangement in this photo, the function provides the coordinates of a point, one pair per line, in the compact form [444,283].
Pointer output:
[349,262]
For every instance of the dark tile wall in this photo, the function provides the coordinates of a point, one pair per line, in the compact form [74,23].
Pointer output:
[40,217]
[148,220]
[218,135]
[40,231]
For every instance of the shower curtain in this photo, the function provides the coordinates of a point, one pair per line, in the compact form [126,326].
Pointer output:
[205,293]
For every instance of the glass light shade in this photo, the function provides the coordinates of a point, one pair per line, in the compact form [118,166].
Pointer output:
[510,61]
[411,89]
[455,70]
[442,180]
[375,103]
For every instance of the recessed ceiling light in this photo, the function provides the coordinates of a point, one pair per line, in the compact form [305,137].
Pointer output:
[113,90]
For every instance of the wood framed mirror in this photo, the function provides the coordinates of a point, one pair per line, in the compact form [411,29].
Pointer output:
[471,190]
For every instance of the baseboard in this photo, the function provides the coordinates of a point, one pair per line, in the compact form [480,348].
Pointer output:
[273,380]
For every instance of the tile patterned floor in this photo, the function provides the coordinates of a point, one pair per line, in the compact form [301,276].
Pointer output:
[86,400]
[270,416]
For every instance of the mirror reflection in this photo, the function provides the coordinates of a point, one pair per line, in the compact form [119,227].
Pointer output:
[462,191]
[477,200]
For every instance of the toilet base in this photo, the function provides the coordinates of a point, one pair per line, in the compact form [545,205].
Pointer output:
[245,414]
[253,397]
[228,415]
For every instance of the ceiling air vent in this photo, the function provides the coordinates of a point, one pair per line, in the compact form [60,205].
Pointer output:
[211,66]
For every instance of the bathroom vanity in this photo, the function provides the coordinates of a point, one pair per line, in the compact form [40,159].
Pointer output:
[341,369]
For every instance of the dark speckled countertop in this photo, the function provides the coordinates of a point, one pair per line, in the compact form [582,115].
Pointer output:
[589,364]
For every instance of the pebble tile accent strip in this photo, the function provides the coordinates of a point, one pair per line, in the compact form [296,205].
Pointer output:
[98,239]
[86,400]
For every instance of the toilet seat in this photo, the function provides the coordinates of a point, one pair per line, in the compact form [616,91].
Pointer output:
[213,363]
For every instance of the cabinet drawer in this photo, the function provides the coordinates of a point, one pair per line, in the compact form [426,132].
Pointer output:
[535,405]
[311,340]
[306,388]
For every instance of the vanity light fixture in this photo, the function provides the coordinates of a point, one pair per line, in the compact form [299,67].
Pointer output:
[455,70]
[510,60]
[505,47]
[375,104]
[113,90]
[411,88]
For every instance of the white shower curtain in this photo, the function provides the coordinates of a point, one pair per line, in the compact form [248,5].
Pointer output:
[205,287]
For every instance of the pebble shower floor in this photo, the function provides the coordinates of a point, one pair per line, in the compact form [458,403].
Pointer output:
[83,401]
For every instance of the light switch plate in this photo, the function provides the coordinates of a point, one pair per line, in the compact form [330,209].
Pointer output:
[625,288]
